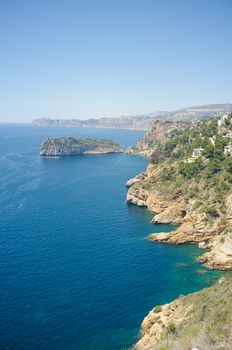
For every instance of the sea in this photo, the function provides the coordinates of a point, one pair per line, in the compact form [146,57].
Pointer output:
[77,270]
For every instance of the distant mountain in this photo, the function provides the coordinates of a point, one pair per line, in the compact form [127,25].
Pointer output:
[144,121]
[198,112]
[138,122]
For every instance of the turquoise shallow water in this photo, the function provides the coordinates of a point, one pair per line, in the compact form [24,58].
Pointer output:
[77,272]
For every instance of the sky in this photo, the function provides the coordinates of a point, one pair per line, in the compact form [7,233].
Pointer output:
[94,58]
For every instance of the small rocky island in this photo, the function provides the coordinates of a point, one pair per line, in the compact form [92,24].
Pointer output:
[69,146]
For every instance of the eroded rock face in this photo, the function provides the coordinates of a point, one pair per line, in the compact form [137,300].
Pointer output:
[132,181]
[159,132]
[156,323]
[172,208]
[196,195]
[220,255]
[66,146]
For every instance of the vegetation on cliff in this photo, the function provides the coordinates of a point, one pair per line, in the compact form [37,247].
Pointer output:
[199,161]
[159,133]
[189,182]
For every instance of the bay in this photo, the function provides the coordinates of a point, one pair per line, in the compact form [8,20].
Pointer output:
[77,269]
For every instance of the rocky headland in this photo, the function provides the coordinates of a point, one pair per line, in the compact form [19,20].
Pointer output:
[188,183]
[69,146]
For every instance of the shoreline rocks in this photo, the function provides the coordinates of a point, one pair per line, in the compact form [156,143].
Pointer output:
[170,208]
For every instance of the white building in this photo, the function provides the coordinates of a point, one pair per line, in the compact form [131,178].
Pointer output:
[229,135]
[228,150]
[197,152]
[222,120]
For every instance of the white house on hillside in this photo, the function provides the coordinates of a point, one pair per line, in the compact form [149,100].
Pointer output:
[222,120]
[228,150]
[197,152]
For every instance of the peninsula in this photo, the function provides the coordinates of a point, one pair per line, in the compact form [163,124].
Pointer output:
[69,146]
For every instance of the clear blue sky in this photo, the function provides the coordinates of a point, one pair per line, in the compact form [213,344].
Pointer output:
[95,58]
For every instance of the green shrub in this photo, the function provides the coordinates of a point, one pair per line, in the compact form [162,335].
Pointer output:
[171,328]
[197,204]
[211,211]
[146,186]
[222,240]
[158,308]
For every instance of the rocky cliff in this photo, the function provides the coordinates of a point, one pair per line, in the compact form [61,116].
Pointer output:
[157,134]
[188,183]
[199,321]
[191,186]
[66,146]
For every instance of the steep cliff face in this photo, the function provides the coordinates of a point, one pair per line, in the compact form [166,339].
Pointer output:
[199,321]
[157,134]
[172,206]
[192,187]
[66,146]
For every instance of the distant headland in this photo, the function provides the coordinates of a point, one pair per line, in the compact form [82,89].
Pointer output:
[142,121]
[67,146]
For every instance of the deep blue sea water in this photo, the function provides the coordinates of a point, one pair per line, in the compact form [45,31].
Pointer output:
[77,271]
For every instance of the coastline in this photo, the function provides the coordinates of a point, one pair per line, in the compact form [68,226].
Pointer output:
[187,183]
[184,324]
[175,312]
[191,227]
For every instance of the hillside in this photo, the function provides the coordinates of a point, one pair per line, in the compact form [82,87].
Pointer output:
[199,321]
[189,182]
[133,123]
[158,133]
[199,112]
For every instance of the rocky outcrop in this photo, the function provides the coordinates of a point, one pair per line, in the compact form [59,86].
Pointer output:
[158,133]
[132,181]
[67,146]
[197,195]
[220,255]
[171,208]
[159,321]
[201,320]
